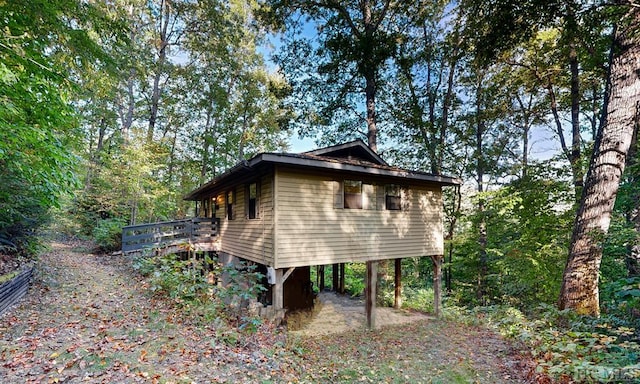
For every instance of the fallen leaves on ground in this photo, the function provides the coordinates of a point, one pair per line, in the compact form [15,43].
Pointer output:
[421,352]
[89,318]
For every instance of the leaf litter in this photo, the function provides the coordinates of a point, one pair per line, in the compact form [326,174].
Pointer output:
[90,318]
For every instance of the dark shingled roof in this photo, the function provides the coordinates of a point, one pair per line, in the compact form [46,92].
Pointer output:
[353,157]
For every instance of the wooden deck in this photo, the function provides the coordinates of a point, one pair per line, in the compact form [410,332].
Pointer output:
[200,234]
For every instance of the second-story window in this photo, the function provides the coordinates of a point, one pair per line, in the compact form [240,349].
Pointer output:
[392,197]
[353,194]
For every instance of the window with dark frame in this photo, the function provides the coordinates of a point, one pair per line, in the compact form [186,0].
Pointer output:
[353,194]
[392,197]
[253,201]
[217,201]
[204,212]
[230,205]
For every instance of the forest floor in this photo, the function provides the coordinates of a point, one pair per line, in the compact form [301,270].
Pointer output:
[90,318]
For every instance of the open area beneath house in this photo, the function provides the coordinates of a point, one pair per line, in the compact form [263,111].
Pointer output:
[335,313]
[91,318]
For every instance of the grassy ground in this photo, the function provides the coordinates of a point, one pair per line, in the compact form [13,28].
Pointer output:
[90,319]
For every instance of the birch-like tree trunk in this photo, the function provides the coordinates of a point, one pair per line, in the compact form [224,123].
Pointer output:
[580,281]
[162,46]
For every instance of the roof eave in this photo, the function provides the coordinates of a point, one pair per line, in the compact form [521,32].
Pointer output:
[284,159]
[305,162]
[193,195]
[356,143]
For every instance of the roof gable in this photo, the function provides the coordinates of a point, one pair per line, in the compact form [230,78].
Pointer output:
[353,150]
[354,157]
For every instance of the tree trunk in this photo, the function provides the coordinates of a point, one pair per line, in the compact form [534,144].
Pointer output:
[397,302]
[575,154]
[370,71]
[481,292]
[446,104]
[204,167]
[481,289]
[370,294]
[580,281]
[457,205]
[127,118]
[165,10]
[437,284]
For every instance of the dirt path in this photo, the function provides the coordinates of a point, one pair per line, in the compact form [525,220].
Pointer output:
[88,320]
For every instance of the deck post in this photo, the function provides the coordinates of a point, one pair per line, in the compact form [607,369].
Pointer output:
[397,302]
[437,282]
[341,284]
[278,291]
[370,293]
[321,277]
[335,277]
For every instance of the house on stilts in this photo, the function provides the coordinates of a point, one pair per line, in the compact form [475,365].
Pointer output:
[288,212]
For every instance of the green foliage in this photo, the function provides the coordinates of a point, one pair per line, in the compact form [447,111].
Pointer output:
[564,345]
[505,24]
[420,299]
[354,278]
[354,274]
[108,234]
[528,226]
[620,237]
[41,43]
[187,281]
[332,67]
[622,298]
[195,285]
[210,112]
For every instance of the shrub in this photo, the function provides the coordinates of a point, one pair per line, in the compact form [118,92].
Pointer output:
[354,278]
[566,347]
[108,234]
[622,298]
[420,299]
[193,284]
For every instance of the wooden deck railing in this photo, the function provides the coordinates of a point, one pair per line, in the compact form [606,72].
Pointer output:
[164,234]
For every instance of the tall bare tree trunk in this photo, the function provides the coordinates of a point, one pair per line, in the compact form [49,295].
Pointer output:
[446,105]
[457,205]
[575,155]
[370,73]
[206,137]
[127,117]
[580,281]
[481,289]
[576,140]
[163,44]
[527,119]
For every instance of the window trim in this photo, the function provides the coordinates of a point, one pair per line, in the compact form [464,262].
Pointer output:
[230,195]
[353,198]
[256,204]
[398,197]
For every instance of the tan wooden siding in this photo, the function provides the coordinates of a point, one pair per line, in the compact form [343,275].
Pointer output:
[251,239]
[311,231]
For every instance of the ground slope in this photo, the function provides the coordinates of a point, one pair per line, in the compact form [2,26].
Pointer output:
[89,318]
